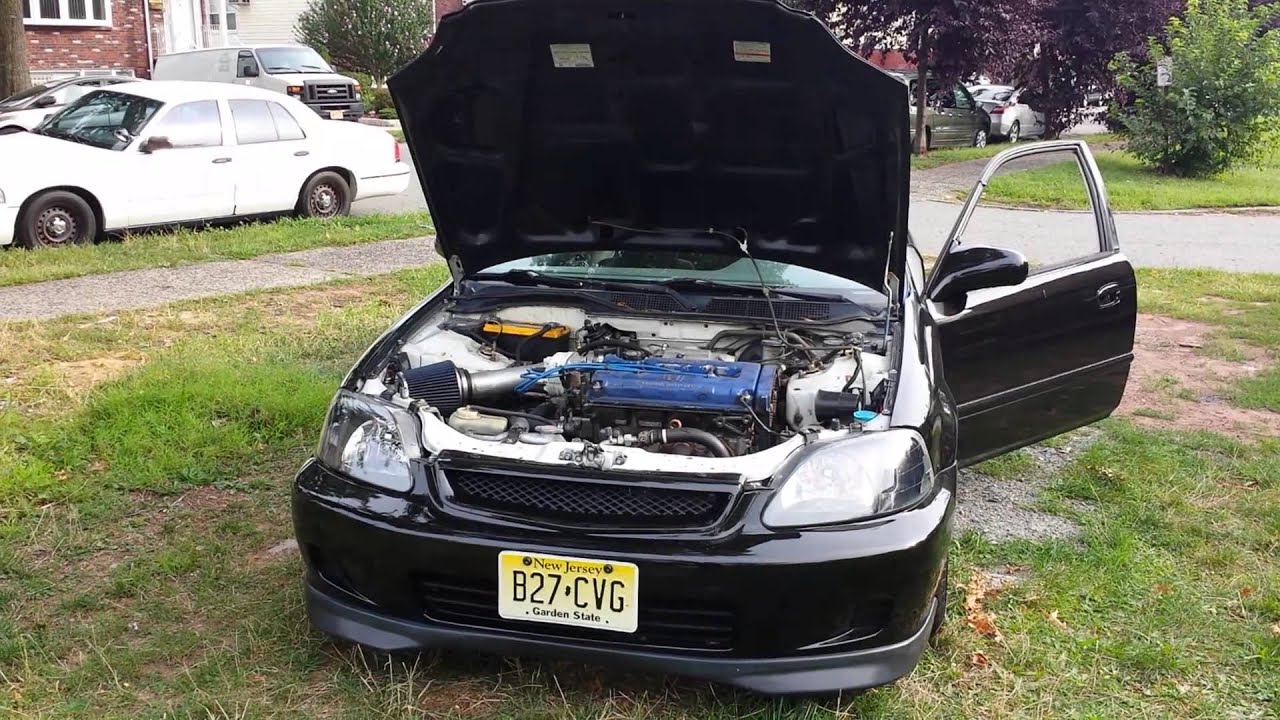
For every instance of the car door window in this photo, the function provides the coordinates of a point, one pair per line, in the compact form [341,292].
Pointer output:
[191,125]
[960,98]
[287,126]
[1049,238]
[262,121]
[253,122]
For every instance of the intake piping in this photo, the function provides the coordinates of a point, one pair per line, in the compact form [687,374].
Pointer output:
[677,435]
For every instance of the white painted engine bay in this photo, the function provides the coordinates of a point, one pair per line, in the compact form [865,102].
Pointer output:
[563,385]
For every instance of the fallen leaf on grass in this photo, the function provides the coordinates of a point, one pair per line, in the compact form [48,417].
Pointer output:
[979,660]
[975,615]
[1056,621]
[1275,629]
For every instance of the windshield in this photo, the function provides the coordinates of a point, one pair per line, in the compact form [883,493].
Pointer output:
[103,119]
[642,266]
[25,96]
[292,60]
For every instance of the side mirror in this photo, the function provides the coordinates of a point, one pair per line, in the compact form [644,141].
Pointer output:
[154,143]
[978,268]
[44,101]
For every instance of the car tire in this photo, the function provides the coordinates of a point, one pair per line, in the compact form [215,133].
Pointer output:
[940,617]
[1015,132]
[980,138]
[326,194]
[57,218]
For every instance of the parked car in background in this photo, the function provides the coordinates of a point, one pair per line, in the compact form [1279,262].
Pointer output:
[29,108]
[953,117]
[163,153]
[294,70]
[1010,117]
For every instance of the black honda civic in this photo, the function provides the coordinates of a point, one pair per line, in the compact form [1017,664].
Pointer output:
[692,402]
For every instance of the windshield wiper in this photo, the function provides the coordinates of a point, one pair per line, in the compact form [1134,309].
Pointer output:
[534,278]
[746,290]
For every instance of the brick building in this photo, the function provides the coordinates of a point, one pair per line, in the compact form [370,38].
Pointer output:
[68,37]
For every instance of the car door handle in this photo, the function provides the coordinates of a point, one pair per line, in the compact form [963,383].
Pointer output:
[1108,296]
[302,153]
[221,161]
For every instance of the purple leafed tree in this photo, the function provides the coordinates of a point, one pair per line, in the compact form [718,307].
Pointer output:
[948,39]
[1067,47]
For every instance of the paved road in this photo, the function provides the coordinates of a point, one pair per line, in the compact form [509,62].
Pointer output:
[143,288]
[1225,241]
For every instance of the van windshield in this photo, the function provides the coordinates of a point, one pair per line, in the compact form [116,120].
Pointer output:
[292,60]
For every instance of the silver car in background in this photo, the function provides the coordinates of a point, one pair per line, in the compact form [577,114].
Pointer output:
[1010,117]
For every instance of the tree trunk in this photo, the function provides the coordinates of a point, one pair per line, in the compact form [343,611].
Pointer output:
[922,88]
[14,73]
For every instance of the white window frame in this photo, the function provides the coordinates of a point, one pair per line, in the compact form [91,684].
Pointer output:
[64,9]
[215,23]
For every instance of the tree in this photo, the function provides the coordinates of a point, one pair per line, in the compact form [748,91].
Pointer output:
[1067,47]
[14,75]
[1221,107]
[947,39]
[376,37]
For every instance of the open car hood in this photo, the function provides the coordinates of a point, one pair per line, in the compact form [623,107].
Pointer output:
[544,126]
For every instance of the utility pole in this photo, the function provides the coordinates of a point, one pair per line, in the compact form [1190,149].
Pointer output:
[15,75]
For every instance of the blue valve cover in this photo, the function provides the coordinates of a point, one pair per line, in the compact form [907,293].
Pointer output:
[699,385]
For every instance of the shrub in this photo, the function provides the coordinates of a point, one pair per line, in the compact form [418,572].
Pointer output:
[368,36]
[1221,108]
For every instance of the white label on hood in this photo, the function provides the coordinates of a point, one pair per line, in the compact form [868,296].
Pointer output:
[747,51]
[572,55]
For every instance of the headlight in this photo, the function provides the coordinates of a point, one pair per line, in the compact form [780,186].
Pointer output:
[370,440]
[853,479]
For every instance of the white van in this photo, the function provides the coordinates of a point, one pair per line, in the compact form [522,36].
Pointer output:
[295,70]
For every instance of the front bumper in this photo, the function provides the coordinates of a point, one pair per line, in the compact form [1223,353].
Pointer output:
[8,224]
[353,111]
[799,611]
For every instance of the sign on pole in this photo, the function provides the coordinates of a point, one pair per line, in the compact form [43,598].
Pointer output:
[1164,72]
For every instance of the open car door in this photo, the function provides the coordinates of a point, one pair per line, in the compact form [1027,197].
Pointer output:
[1051,350]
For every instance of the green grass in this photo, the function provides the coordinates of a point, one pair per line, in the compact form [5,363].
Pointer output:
[950,156]
[1132,186]
[137,517]
[189,247]
[397,134]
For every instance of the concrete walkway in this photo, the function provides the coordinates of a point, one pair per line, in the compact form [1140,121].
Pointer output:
[144,288]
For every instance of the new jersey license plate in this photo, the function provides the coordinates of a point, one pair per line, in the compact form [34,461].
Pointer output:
[335,114]
[568,591]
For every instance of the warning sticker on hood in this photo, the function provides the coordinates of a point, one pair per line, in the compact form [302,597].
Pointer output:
[747,51]
[572,55]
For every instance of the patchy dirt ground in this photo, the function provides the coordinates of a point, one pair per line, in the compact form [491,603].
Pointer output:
[1174,385]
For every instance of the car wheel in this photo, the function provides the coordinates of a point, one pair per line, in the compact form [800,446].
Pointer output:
[980,139]
[57,218]
[1015,132]
[940,617]
[326,195]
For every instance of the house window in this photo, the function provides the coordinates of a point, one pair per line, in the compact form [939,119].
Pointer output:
[215,18]
[66,12]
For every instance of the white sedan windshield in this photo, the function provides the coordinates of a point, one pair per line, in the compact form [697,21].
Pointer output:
[103,119]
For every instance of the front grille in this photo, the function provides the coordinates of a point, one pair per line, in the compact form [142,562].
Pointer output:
[330,92]
[662,622]
[587,501]
[798,310]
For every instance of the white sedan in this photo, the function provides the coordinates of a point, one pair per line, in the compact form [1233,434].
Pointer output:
[166,153]
[1011,117]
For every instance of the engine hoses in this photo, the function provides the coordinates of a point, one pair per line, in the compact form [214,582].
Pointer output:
[690,435]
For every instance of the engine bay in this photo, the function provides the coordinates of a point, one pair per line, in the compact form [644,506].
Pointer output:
[538,376]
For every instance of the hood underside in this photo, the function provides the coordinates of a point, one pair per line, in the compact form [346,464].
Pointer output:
[545,126]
